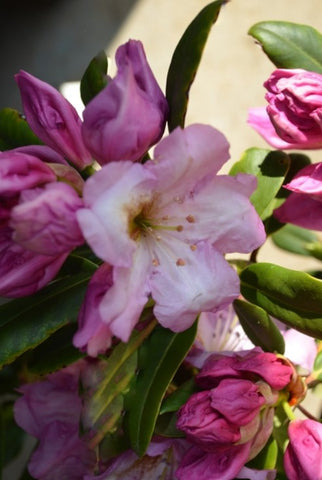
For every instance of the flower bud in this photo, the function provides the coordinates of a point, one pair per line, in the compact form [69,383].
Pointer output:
[53,119]
[303,455]
[129,114]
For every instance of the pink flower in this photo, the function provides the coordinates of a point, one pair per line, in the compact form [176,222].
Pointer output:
[129,114]
[303,207]
[50,410]
[40,219]
[293,117]
[53,119]
[93,334]
[35,210]
[164,226]
[266,366]
[303,455]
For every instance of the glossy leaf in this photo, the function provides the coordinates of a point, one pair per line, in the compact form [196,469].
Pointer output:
[94,78]
[270,168]
[259,327]
[27,322]
[174,401]
[294,297]
[290,45]
[159,358]
[185,61]
[55,353]
[15,131]
[295,239]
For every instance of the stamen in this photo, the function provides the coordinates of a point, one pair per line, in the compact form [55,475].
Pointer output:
[180,262]
[193,247]
[190,219]
[179,228]
[155,262]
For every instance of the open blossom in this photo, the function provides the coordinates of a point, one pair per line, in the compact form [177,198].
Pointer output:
[293,117]
[121,122]
[303,207]
[164,226]
[129,114]
[303,455]
[35,211]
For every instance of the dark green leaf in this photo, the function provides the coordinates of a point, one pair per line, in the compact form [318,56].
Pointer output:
[11,436]
[185,61]
[258,326]
[94,78]
[55,353]
[270,168]
[290,45]
[15,131]
[27,322]
[174,401]
[166,426]
[294,297]
[295,239]
[159,358]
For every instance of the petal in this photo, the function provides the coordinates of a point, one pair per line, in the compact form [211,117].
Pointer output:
[123,303]
[45,222]
[308,180]
[259,120]
[302,210]
[113,197]
[187,282]
[190,154]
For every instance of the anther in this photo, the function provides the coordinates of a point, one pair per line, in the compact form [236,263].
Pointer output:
[190,219]
[179,228]
[180,262]
[155,262]
[193,247]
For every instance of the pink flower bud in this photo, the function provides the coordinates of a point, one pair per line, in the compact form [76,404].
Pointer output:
[203,425]
[23,272]
[45,221]
[303,455]
[53,119]
[129,114]
[294,109]
[19,171]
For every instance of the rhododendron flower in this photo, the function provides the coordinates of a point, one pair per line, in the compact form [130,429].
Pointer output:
[53,119]
[121,122]
[50,410]
[293,117]
[303,455]
[303,207]
[129,114]
[164,226]
[35,211]
[231,419]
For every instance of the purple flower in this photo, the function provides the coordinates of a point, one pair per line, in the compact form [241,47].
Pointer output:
[35,210]
[50,410]
[53,119]
[303,455]
[164,227]
[303,207]
[129,114]
[293,117]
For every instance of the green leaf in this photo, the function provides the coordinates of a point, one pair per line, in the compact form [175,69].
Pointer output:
[94,78]
[270,168]
[317,368]
[266,459]
[259,328]
[294,297]
[185,61]
[295,239]
[15,131]
[159,358]
[27,322]
[11,436]
[174,401]
[290,45]
[166,426]
[55,353]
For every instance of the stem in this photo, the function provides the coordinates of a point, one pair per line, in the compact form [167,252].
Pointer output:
[307,413]
[288,410]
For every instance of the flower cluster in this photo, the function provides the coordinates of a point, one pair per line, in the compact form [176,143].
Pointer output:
[142,347]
